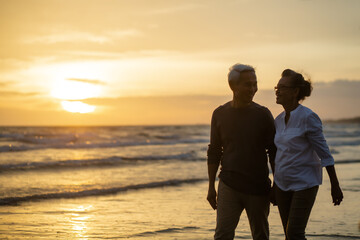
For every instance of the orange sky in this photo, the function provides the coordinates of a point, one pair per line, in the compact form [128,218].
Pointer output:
[165,62]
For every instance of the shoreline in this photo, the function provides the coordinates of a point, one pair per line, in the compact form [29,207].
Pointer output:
[169,212]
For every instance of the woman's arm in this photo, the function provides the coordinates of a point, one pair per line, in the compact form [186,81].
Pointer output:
[317,140]
[336,192]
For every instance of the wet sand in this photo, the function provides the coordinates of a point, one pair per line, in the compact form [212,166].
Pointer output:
[175,212]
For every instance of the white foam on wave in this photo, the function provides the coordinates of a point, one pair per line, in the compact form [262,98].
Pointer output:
[113,160]
[13,139]
[166,230]
[89,145]
[96,192]
[333,236]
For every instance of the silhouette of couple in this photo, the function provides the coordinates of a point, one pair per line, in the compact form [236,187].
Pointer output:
[244,137]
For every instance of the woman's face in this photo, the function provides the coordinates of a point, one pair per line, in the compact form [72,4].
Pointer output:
[285,92]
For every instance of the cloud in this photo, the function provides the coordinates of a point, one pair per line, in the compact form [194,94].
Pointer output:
[185,109]
[17,94]
[174,9]
[120,55]
[330,100]
[340,87]
[195,100]
[6,83]
[91,81]
[119,34]
[66,37]
[78,36]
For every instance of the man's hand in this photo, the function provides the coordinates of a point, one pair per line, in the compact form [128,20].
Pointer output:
[272,195]
[211,197]
[336,194]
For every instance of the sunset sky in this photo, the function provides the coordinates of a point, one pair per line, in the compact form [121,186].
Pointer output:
[108,62]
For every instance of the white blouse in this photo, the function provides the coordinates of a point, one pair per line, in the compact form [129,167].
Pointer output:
[302,150]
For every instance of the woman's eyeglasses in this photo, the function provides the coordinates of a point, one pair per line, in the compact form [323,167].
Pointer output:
[282,87]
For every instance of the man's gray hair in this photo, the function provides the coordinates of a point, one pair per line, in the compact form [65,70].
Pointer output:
[235,71]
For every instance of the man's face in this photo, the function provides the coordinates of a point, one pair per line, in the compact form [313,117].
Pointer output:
[245,88]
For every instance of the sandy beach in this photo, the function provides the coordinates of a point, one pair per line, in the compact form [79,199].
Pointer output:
[177,212]
[141,183]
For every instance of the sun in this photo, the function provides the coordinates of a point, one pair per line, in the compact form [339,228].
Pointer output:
[77,107]
[69,90]
[73,82]
[72,90]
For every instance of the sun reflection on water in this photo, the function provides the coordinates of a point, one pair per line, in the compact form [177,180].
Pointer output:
[79,223]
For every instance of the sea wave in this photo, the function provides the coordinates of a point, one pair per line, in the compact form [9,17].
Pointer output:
[166,230]
[333,236]
[110,161]
[348,161]
[41,138]
[96,192]
[343,142]
[351,189]
[33,138]
[90,145]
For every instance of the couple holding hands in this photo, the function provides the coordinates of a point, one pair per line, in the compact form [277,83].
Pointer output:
[244,137]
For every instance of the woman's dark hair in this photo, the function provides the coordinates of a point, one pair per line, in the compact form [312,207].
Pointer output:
[298,81]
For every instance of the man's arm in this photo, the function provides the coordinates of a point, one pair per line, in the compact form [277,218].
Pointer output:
[270,146]
[214,154]
[271,151]
[212,196]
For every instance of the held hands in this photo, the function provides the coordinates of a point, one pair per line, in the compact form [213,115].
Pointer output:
[211,197]
[272,195]
[336,194]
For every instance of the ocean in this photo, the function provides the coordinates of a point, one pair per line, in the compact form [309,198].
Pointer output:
[141,182]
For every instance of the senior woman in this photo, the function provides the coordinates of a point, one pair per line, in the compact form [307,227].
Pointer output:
[301,153]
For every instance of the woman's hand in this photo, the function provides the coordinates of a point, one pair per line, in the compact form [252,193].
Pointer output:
[336,194]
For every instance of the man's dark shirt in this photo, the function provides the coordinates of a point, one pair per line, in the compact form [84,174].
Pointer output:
[240,139]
